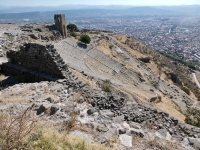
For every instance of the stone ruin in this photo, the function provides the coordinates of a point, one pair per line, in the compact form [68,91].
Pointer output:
[36,62]
[60,24]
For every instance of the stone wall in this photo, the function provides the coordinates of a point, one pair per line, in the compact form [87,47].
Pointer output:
[24,74]
[40,58]
[36,62]
[60,24]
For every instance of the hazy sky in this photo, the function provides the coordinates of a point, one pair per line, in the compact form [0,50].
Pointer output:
[96,2]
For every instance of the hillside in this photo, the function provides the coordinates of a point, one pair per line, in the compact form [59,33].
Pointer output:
[115,91]
[37,14]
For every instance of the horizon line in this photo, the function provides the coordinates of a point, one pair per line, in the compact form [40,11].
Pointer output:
[95,5]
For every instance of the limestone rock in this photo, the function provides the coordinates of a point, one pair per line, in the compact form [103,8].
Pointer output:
[91,111]
[33,36]
[126,140]
[185,143]
[125,126]
[195,142]
[152,99]
[137,132]
[40,110]
[135,125]
[102,128]
[163,134]
[50,99]
[121,131]
[54,109]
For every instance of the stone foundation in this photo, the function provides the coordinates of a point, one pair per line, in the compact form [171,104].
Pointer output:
[25,75]
[40,58]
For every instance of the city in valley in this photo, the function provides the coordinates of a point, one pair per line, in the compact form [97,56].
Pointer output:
[179,36]
[175,35]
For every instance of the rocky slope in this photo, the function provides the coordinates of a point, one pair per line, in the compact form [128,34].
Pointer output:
[144,110]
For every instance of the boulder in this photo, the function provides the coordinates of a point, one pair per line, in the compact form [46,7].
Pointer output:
[102,128]
[154,98]
[163,134]
[126,140]
[91,111]
[195,142]
[185,143]
[137,132]
[135,125]
[106,113]
[50,99]
[54,109]
[33,36]
[125,126]
[118,119]
[121,131]
[144,59]
[40,110]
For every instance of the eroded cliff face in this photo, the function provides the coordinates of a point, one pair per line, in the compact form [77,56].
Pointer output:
[108,85]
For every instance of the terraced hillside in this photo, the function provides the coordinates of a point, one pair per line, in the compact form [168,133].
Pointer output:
[115,91]
[117,58]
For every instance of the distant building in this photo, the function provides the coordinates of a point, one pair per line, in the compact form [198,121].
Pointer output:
[60,24]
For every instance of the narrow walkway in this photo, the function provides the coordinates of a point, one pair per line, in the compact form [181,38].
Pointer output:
[195,79]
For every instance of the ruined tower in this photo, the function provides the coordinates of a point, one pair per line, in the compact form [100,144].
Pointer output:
[60,23]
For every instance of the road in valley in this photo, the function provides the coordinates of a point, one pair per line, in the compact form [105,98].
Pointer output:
[195,79]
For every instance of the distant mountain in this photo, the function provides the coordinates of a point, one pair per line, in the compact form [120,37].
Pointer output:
[184,9]
[85,11]
[20,9]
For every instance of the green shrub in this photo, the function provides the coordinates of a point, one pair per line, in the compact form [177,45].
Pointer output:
[87,84]
[159,99]
[178,59]
[106,86]
[73,34]
[193,117]
[72,28]
[85,38]
[186,90]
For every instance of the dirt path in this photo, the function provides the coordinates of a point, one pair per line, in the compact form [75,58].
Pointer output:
[195,79]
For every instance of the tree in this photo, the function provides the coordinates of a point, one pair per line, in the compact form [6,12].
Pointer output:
[72,28]
[85,38]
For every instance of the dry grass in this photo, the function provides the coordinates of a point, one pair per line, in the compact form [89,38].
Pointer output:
[22,132]
[132,46]
[11,98]
[47,137]
[86,128]
[69,125]
[113,140]
[14,130]
[87,80]
[170,107]
[197,75]
[154,67]
[49,91]
[106,86]
[120,40]
[106,48]
[142,143]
